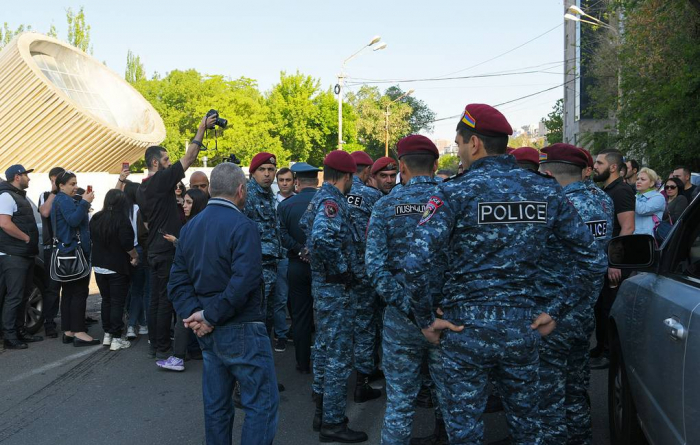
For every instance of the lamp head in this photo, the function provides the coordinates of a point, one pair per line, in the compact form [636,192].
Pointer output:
[375,39]
[380,47]
[576,10]
[572,17]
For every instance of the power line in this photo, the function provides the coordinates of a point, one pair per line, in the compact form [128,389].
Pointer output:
[438,79]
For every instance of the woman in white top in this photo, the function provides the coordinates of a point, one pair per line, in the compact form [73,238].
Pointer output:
[650,205]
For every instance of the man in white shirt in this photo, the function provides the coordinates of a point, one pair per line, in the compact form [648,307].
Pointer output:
[285,182]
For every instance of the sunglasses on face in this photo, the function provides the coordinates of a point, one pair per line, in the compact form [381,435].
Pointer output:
[670,187]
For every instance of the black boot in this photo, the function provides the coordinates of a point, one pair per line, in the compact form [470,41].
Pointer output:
[424,398]
[318,413]
[508,440]
[364,392]
[439,436]
[339,432]
[494,404]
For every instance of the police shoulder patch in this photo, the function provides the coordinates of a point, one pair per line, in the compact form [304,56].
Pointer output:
[599,228]
[434,203]
[512,212]
[330,208]
[409,209]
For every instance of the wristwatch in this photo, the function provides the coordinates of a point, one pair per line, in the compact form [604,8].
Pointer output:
[195,141]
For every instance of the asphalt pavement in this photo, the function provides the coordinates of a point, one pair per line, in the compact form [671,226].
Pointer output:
[53,394]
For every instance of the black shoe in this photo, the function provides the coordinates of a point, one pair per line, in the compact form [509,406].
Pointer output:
[494,404]
[424,398]
[377,374]
[305,370]
[280,387]
[151,352]
[339,432]
[90,320]
[505,441]
[78,342]
[318,413]
[24,336]
[364,392]
[14,344]
[66,339]
[601,362]
[195,355]
[439,436]
[596,352]
[281,345]
[51,332]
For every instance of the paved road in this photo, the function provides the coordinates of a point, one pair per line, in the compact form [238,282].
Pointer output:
[58,394]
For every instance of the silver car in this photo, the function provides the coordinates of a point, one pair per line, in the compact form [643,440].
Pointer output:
[654,376]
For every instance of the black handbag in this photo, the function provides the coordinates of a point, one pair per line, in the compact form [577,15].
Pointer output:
[67,266]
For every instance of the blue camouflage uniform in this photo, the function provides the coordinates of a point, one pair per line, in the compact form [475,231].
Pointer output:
[361,200]
[490,221]
[564,369]
[389,237]
[330,243]
[260,206]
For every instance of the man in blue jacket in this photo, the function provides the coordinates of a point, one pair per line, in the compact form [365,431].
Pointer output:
[216,287]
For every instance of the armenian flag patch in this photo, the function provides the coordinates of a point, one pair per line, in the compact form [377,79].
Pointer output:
[468,119]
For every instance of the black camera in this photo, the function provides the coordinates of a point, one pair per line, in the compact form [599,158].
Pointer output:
[220,122]
[233,159]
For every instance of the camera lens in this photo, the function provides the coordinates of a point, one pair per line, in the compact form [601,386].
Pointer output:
[221,122]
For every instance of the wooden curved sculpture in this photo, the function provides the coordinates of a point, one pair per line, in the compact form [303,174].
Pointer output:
[61,107]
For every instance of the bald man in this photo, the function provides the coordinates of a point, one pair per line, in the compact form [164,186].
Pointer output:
[199,180]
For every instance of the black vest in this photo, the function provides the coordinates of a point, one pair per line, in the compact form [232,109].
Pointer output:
[23,218]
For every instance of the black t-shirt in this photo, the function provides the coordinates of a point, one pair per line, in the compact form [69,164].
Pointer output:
[623,199]
[158,206]
[688,193]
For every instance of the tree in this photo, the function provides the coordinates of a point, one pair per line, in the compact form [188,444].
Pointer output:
[134,68]
[78,30]
[555,123]
[52,32]
[448,162]
[421,118]
[7,34]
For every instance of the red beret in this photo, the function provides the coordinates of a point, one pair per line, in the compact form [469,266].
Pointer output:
[416,144]
[485,120]
[384,163]
[588,156]
[340,160]
[565,154]
[509,150]
[361,158]
[526,154]
[260,159]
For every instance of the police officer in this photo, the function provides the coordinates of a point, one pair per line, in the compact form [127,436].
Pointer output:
[564,369]
[361,200]
[488,220]
[384,171]
[526,157]
[330,244]
[290,212]
[260,206]
[389,237]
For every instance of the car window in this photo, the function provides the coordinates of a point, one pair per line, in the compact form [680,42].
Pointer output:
[687,258]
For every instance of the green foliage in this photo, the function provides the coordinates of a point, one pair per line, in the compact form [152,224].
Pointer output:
[555,123]
[449,162]
[525,141]
[52,32]
[134,68]
[421,118]
[659,99]
[7,34]
[78,30]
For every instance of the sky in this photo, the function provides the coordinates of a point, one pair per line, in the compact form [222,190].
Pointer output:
[425,40]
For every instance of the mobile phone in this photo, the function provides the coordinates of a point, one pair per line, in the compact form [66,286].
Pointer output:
[162,232]
[89,189]
[125,166]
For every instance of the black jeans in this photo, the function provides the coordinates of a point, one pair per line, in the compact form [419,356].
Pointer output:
[114,289]
[51,296]
[16,273]
[301,300]
[160,310]
[73,304]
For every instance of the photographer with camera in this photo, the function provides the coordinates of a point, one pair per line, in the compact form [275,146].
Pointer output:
[158,206]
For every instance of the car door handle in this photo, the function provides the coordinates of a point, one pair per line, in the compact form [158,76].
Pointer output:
[675,329]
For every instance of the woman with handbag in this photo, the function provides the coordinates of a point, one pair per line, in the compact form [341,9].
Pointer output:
[113,255]
[676,201]
[70,259]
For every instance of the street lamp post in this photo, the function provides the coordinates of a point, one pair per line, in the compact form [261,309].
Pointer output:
[386,120]
[341,79]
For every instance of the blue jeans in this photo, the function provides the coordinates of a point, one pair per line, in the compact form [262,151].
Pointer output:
[140,292]
[279,306]
[239,352]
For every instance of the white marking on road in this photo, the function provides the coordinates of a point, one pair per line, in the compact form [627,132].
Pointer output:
[55,364]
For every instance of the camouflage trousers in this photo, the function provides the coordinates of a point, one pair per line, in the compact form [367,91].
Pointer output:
[496,342]
[366,316]
[564,376]
[335,315]
[404,348]
[270,282]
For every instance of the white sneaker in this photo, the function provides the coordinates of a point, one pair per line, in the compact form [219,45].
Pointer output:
[131,332]
[118,343]
[107,340]
[143,330]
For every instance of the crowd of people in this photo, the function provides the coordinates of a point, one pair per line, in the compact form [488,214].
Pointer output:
[461,289]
